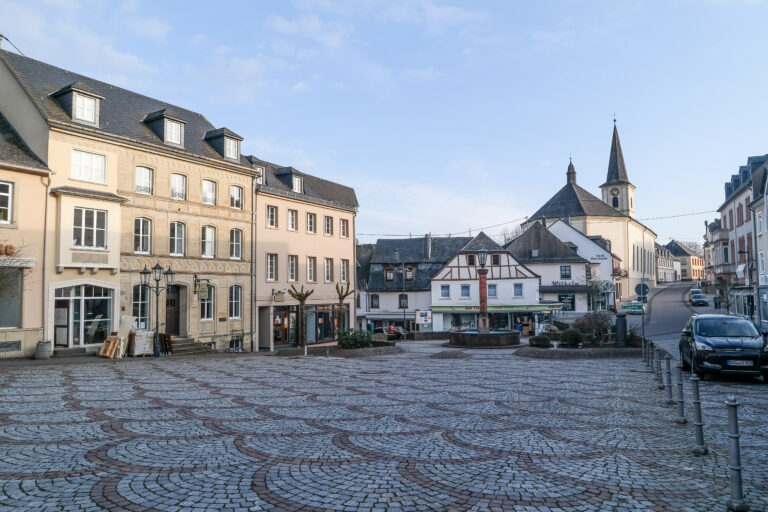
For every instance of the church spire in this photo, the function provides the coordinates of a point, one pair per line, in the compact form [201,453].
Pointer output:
[617,171]
[571,174]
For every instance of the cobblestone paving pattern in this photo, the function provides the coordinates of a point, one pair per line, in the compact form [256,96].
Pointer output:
[491,432]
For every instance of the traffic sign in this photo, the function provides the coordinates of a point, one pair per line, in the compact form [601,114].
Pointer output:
[641,289]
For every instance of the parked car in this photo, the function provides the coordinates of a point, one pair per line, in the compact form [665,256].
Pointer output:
[723,344]
[698,299]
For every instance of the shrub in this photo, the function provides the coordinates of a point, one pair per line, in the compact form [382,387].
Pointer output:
[597,324]
[633,337]
[539,341]
[354,339]
[570,338]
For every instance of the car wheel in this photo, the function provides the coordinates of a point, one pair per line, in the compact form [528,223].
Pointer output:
[686,365]
[698,371]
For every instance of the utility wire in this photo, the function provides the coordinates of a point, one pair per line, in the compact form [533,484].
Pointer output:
[17,48]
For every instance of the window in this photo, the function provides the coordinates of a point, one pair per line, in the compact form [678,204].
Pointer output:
[534,253]
[311,263]
[402,301]
[588,271]
[141,306]
[328,270]
[142,234]
[567,300]
[89,167]
[90,228]
[173,132]
[311,222]
[298,184]
[177,239]
[178,186]
[759,223]
[231,149]
[236,197]
[445,291]
[762,262]
[328,225]
[409,274]
[615,202]
[208,242]
[518,290]
[85,108]
[206,304]
[389,274]
[6,202]
[144,180]
[271,216]
[725,253]
[470,259]
[209,192]
[492,290]
[465,290]
[235,296]
[344,270]
[271,267]
[10,298]
[374,301]
[292,216]
[740,214]
[293,266]
[343,228]
[235,244]
[495,259]
[565,271]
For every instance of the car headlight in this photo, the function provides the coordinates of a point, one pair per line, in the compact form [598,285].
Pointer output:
[703,347]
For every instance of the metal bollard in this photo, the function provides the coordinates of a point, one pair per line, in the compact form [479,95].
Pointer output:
[327,351]
[698,424]
[668,385]
[680,396]
[737,501]
[643,347]
[650,355]
[659,375]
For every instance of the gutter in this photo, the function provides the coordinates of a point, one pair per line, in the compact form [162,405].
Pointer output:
[46,180]
[253,243]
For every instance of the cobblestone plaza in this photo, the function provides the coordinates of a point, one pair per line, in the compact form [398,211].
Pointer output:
[408,432]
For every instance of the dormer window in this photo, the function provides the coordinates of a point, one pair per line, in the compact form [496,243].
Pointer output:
[389,274]
[172,132]
[231,148]
[298,184]
[80,102]
[167,125]
[85,108]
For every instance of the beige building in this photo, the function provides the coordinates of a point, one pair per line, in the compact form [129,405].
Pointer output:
[136,182]
[691,263]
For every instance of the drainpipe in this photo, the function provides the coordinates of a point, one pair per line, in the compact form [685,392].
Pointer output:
[45,180]
[253,243]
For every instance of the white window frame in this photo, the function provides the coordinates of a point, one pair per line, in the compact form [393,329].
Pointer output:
[181,180]
[208,241]
[518,287]
[143,234]
[445,291]
[173,131]
[236,197]
[328,270]
[344,270]
[208,195]
[293,217]
[759,223]
[206,305]
[231,148]
[140,307]
[495,291]
[272,217]
[94,228]
[144,186]
[81,110]
[343,228]
[762,262]
[468,290]
[293,267]
[271,267]
[174,240]
[311,269]
[235,244]
[298,184]
[89,167]
[328,231]
[311,220]
[235,301]
[9,207]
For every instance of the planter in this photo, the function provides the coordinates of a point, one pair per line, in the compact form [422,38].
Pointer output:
[43,350]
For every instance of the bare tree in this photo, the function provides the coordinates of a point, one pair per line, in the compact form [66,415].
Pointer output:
[301,296]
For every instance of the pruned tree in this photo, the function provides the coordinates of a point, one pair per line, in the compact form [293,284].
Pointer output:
[342,294]
[301,296]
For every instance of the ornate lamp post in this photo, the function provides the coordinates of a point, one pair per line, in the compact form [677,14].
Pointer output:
[482,273]
[157,275]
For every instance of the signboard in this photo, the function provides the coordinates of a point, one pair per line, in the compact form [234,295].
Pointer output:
[423,316]
[631,307]
[641,289]
[203,291]
[505,309]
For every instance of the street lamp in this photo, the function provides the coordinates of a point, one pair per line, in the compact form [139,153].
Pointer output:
[157,275]
[482,273]
[403,305]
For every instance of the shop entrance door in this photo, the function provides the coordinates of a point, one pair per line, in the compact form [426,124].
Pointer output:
[61,323]
[172,310]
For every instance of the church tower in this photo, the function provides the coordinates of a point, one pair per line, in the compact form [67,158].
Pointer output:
[618,192]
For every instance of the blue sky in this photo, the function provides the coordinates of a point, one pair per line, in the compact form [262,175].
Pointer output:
[445,115]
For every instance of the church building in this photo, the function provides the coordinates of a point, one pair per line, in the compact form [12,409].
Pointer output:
[612,217]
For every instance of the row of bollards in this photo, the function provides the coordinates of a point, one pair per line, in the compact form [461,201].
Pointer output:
[652,356]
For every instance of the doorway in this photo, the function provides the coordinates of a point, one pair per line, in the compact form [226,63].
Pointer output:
[172,310]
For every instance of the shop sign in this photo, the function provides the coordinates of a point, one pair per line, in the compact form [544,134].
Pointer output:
[202,291]
[423,316]
[563,283]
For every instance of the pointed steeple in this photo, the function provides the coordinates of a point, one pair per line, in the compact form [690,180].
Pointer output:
[571,174]
[617,171]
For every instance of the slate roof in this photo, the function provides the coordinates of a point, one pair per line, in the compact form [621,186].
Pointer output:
[482,241]
[412,252]
[680,250]
[86,192]
[574,201]
[551,249]
[363,254]
[14,151]
[617,171]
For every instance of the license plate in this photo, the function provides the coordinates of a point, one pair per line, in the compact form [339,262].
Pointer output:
[738,362]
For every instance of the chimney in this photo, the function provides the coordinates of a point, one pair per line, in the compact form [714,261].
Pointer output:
[428,245]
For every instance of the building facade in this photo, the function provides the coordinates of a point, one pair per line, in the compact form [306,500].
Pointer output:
[665,265]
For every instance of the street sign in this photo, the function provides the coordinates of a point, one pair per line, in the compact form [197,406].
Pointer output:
[631,307]
[641,289]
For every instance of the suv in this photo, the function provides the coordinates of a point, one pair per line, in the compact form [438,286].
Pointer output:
[723,344]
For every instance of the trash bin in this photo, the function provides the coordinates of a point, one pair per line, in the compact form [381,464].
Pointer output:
[716,301]
[43,350]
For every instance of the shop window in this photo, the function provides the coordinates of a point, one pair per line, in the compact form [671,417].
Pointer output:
[140,308]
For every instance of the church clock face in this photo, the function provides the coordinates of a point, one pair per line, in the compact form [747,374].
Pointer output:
[614,191]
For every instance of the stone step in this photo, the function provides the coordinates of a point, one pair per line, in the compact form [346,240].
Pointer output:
[184,346]
[72,352]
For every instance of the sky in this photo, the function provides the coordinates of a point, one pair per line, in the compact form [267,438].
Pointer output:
[446,116]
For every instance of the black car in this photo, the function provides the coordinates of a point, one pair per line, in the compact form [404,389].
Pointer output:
[723,344]
[698,299]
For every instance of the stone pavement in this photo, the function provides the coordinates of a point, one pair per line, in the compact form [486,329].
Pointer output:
[407,432]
